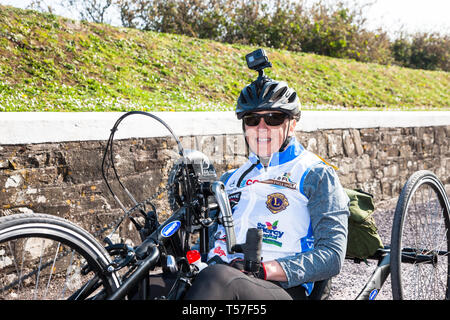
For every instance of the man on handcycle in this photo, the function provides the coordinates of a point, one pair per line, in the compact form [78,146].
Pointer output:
[290,194]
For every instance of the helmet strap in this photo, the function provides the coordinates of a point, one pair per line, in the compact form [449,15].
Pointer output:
[286,139]
[247,147]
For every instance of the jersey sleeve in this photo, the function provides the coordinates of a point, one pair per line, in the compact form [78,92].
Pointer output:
[328,208]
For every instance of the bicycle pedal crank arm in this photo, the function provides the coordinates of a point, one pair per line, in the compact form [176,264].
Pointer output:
[414,258]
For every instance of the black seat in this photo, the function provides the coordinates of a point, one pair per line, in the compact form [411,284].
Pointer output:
[321,290]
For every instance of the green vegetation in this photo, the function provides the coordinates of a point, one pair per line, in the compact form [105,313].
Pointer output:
[49,63]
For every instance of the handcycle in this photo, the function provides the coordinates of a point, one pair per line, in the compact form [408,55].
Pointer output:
[47,257]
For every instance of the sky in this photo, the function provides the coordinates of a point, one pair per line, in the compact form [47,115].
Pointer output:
[391,15]
[413,15]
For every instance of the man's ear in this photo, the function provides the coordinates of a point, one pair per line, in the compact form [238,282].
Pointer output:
[292,127]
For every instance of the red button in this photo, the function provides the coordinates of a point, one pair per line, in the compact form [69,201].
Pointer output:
[192,256]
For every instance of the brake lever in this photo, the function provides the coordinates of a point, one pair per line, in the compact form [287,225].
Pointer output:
[125,251]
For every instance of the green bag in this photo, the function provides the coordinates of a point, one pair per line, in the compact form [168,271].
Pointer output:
[363,238]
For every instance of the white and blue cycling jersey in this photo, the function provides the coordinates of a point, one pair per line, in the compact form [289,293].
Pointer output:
[283,200]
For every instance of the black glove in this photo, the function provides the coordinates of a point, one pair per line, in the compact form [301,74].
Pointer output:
[251,249]
[240,265]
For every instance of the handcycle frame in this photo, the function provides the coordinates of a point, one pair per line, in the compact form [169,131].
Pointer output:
[383,269]
[369,292]
[376,281]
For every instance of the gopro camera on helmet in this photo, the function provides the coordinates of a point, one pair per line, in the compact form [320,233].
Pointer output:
[258,60]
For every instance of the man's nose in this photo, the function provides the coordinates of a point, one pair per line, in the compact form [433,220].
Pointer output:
[262,124]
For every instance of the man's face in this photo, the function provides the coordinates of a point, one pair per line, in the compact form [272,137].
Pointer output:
[264,139]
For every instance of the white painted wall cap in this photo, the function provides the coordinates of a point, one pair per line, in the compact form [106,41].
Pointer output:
[39,127]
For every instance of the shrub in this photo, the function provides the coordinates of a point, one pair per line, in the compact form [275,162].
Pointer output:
[429,51]
[327,28]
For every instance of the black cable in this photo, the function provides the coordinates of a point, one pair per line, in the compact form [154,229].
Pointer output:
[109,147]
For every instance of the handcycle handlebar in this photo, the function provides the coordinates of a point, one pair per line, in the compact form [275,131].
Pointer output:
[171,225]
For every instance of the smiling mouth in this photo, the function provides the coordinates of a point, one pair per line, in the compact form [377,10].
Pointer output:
[264,140]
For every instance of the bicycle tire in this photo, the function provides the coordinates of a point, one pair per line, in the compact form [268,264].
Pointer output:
[33,250]
[420,240]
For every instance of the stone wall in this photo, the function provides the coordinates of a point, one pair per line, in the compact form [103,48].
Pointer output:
[65,178]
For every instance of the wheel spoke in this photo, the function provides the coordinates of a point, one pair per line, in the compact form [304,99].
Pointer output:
[52,269]
[68,271]
[39,270]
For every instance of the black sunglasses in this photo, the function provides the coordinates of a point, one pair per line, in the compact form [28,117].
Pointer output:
[271,119]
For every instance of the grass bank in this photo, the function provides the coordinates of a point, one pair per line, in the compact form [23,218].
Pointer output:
[50,63]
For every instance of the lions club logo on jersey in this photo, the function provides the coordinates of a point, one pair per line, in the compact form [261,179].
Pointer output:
[276,202]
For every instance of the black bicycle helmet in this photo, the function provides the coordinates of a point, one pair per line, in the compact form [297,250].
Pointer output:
[267,94]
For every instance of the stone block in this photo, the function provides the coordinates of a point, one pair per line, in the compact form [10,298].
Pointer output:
[357,141]
[363,162]
[349,145]
[369,135]
[391,171]
[312,145]
[240,147]
[348,180]
[229,146]
[334,144]
[364,175]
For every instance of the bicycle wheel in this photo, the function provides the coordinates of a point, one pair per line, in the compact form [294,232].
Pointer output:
[46,257]
[420,240]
